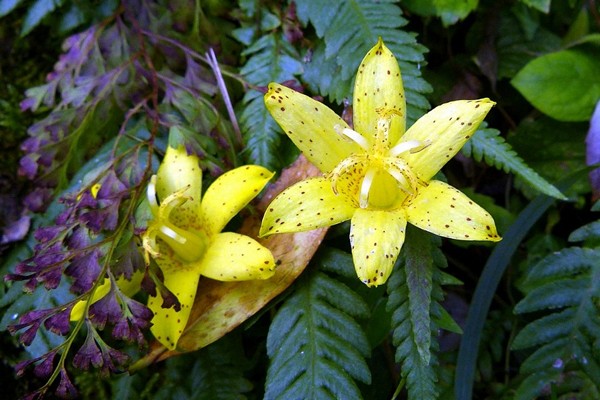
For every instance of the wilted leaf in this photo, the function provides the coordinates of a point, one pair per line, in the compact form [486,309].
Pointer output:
[222,306]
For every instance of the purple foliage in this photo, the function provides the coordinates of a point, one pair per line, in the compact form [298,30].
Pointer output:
[89,354]
[130,327]
[85,270]
[106,310]
[45,368]
[59,323]
[127,260]
[65,388]
[37,200]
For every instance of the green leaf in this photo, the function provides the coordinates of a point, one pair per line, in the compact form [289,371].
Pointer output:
[446,322]
[552,148]
[418,265]
[450,11]
[541,5]
[333,260]
[271,59]
[214,372]
[555,294]
[565,263]
[564,85]
[520,39]
[412,322]
[589,231]
[488,283]
[315,346]
[6,6]
[488,145]
[349,29]
[567,284]
[38,11]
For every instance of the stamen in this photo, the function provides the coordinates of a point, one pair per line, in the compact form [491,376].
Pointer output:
[403,183]
[412,146]
[365,188]
[344,166]
[172,234]
[188,245]
[151,193]
[353,135]
[425,144]
[401,172]
[173,201]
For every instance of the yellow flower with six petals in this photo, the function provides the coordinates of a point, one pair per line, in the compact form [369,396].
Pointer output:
[185,237]
[376,174]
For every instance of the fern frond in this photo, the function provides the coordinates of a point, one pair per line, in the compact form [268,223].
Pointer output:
[488,145]
[316,348]
[67,14]
[349,29]
[590,231]
[215,372]
[566,284]
[414,295]
[271,59]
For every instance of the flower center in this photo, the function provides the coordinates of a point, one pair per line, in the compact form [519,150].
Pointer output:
[188,245]
[379,176]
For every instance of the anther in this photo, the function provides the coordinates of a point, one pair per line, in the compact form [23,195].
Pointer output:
[412,146]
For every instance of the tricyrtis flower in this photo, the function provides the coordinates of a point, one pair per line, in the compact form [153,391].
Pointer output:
[376,174]
[185,235]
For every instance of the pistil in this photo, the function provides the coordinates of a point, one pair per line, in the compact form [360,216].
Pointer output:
[188,245]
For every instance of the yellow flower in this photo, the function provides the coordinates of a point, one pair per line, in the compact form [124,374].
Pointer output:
[377,175]
[185,237]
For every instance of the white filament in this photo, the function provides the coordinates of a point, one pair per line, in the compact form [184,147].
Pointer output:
[365,187]
[404,185]
[152,195]
[403,147]
[353,135]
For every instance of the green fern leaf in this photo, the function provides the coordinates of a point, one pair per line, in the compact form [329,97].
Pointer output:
[271,59]
[213,373]
[589,231]
[567,284]
[560,265]
[349,29]
[488,145]
[555,294]
[317,349]
[545,329]
[414,291]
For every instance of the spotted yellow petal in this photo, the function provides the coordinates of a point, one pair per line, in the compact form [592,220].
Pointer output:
[182,280]
[310,125]
[446,128]
[178,171]
[378,90]
[235,257]
[376,237]
[445,211]
[231,192]
[307,205]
